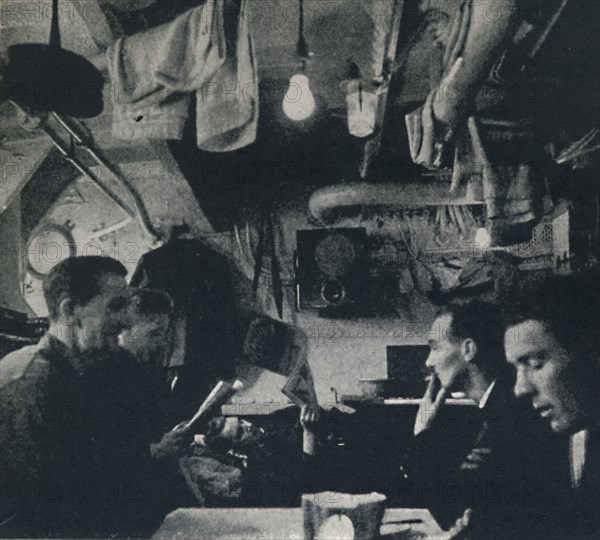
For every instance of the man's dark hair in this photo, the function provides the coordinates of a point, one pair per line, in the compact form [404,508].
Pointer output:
[151,302]
[77,278]
[482,322]
[567,305]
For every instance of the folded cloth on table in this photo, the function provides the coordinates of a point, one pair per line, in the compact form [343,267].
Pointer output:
[207,50]
[209,478]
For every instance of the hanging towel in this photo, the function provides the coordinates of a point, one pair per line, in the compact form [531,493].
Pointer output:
[151,70]
[227,106]
[207,50]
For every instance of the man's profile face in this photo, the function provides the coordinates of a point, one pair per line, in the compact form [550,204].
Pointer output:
[99,322]
[147,338]
[544,374]
[445,357]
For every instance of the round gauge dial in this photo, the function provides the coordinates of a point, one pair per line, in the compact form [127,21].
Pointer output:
[47,246]
[335,255]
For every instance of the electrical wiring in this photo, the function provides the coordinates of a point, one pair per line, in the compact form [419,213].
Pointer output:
[410,248]
[240,247]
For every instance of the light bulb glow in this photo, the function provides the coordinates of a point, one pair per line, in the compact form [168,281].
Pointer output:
[482,239]
[298,102]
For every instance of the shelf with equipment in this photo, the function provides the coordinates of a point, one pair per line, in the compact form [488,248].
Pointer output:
[17,330]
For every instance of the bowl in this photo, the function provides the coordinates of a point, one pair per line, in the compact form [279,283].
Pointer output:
[342,516]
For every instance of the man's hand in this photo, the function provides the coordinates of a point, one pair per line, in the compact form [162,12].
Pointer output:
[460,529]
[172,443]
[309,419]
[430,405]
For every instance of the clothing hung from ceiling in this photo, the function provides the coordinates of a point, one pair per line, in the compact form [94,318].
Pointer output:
[207,52]
[497,146]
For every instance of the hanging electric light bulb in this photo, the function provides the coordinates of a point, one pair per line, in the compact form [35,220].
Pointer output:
[298,102]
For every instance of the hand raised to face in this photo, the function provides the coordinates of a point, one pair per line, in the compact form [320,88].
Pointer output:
[434,397]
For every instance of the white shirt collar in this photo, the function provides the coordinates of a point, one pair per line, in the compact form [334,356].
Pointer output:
[577,455]
[486,395]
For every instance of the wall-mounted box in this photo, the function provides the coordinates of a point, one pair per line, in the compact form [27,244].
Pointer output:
[332,268]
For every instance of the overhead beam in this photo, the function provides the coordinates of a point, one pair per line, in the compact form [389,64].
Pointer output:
[19,160]
[373,145]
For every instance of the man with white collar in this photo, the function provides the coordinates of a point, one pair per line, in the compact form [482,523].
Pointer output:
[483,491]
[466,355]
[553,342]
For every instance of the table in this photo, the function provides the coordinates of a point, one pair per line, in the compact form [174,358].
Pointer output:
[281,524]
[417,401]
[354,401]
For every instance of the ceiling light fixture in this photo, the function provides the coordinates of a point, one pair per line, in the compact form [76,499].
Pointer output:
[361,100]
[299,102]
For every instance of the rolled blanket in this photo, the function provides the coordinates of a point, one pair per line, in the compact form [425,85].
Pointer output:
[209,478]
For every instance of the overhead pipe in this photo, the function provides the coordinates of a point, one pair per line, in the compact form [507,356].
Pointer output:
[68,154]
[141,212]
[326,201]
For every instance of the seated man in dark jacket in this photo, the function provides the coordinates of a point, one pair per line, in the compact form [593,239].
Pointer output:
[75,423]
[149,338]
[490,484]
[486,489]
[205,327]
[47,417]
[552,340]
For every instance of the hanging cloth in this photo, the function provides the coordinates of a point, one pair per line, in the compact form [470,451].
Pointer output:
[208,51]
[478,147]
